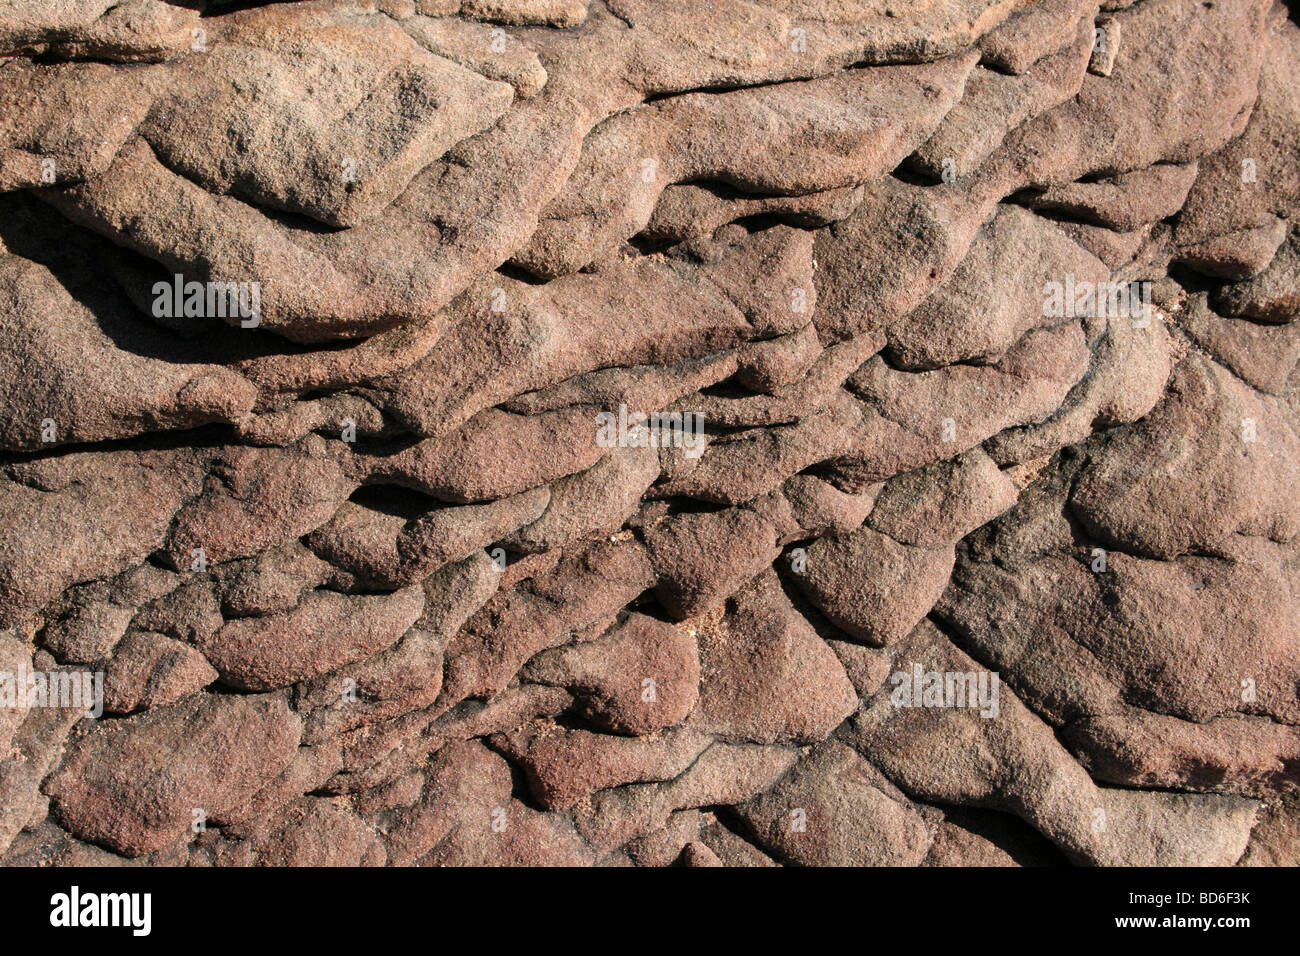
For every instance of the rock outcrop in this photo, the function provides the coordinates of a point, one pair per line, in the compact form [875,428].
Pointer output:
[607,432]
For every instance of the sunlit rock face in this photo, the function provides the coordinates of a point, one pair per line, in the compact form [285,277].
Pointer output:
[548,432]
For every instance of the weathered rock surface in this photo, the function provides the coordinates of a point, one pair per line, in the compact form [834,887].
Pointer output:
[211,753]
[552,432]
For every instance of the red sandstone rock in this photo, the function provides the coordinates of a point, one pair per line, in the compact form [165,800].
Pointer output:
[369,577]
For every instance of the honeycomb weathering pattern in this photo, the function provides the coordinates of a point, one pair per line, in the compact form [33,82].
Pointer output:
[524,432]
